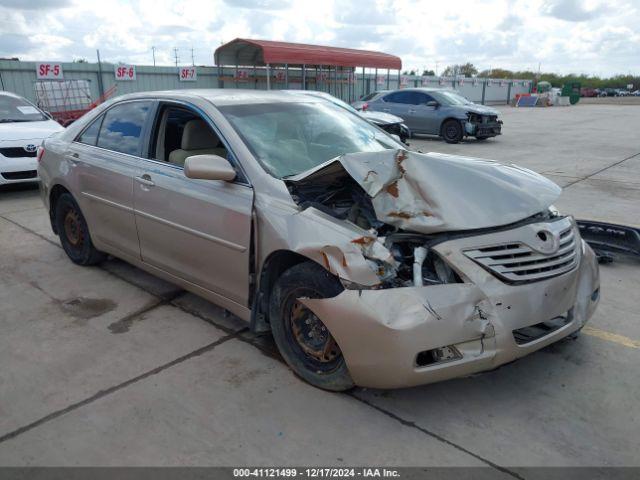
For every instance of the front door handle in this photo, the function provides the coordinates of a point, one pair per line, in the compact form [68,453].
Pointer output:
[145,180]
[412,111]
[385,109]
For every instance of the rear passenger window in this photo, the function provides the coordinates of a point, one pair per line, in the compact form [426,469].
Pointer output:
[121,129]
[90,134]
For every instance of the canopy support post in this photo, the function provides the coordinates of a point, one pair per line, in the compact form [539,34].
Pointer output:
[399,80]
[304,77]
[363,80]
[268,77]
[388,77]
[286,76]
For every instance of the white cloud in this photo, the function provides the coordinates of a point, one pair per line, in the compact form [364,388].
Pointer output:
[588,36]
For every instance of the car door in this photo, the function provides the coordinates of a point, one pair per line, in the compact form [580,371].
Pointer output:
[425,117]
[395,103]
[104,160]
[197,230]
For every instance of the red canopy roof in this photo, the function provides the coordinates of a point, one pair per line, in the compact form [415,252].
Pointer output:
[243,51]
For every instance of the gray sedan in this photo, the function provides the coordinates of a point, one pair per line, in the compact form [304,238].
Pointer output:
[437,112]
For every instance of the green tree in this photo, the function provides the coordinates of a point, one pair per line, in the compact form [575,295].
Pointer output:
[467,70]
[428,73]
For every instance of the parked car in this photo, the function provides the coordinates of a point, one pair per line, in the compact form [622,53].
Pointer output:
[23,126]
[588,92]
[387,122]
[621,92]
[371,265]
[636,93]
[362,103]
[608,92]
[438,112]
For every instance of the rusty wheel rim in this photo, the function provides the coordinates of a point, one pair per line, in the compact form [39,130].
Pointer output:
[72,228]
[312,336]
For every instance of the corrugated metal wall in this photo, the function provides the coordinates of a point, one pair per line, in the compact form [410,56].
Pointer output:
[20,77]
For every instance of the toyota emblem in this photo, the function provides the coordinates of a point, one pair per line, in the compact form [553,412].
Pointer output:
[31,148]
[548,242]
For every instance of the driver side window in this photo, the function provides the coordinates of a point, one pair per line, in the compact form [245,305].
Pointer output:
[181,133]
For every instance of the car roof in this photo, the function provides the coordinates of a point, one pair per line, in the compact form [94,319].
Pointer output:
[227,96]
[11,94]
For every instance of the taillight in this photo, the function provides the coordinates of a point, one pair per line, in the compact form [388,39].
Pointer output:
[40,153]
[365,106]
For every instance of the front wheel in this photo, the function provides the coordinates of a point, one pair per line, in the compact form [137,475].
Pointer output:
[452,131]
[74,232]
[303,340]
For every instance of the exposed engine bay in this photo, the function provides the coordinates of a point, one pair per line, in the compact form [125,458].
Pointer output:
[411,261]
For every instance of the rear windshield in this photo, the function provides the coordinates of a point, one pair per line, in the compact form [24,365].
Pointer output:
[14,109]
[290,138]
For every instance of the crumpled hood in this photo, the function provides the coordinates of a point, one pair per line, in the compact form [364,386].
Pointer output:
[479,109]
[28,130]
[434,192]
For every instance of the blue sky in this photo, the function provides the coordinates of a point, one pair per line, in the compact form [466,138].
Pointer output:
[591,36]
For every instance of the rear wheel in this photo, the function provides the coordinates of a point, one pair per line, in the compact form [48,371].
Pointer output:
[74,233]
[452,131]
[303,340]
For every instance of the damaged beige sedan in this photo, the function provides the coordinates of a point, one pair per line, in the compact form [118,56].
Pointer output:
[371,265]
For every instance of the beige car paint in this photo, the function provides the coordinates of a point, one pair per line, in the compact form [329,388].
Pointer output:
[198,234]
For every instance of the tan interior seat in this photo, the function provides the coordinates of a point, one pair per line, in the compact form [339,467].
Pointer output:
[197,139]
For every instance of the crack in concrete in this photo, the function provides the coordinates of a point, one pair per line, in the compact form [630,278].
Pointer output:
[586,177]
[108,391]
[440,438]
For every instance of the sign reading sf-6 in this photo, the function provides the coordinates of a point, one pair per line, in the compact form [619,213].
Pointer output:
[125,72]
[49,71]
[188,74]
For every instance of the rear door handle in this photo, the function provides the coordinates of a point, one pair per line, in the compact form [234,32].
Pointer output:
[412,111]
[145,180]
[385,109]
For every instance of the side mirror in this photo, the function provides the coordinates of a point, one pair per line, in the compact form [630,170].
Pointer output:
[432,103]
[208,167]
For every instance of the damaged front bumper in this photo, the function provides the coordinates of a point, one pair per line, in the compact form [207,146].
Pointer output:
[408,336]
[480,129]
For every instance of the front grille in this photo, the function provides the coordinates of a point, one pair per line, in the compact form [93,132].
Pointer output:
[518,262]
[16,152]
[24,175]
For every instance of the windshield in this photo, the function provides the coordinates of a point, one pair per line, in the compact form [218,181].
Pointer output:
[450,98]
[13,109]
[290,138]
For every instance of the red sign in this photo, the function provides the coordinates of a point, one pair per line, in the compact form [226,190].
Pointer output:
[280,76]
[49,71]
[187,74]
[125,72]
[404,81]
[381,80]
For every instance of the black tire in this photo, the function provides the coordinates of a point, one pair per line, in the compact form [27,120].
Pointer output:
[74,233]
[303,340]
[452,131]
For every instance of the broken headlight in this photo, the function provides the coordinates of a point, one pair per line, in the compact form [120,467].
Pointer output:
[553,211]
[418,265]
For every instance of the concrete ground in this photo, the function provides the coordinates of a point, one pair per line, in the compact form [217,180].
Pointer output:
[110,366]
